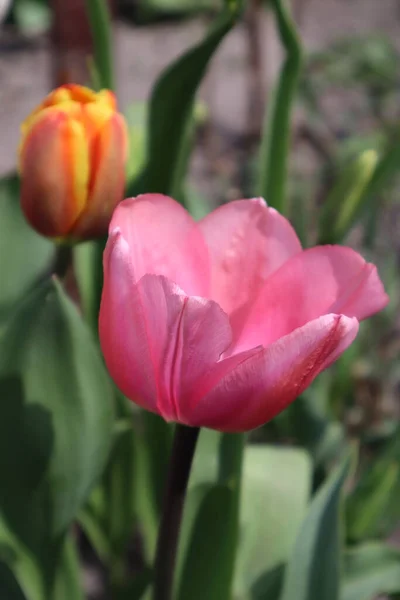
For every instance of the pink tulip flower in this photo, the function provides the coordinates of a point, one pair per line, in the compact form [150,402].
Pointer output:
[224,322]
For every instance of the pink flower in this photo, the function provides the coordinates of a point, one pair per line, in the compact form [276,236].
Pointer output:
[223,323]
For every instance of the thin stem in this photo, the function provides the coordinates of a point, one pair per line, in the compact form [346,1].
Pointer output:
[183,449]
[63,260]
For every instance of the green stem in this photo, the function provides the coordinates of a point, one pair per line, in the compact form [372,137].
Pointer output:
[100,24]
[63,260]
[183,449]
[276,135]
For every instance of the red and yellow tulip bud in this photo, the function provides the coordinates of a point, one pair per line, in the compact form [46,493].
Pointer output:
[72,162]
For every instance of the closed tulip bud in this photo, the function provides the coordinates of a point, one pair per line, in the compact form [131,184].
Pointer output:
[72,163]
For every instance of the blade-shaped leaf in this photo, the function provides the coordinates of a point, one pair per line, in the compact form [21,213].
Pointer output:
[370,570]
[269,585]
[347,198]
[276,485]
[135,589]
[69,583]
[206,569]
[275,491]
[24,255]
[9,588]
[56,419]
[171,105]
[372,509]
[313,572]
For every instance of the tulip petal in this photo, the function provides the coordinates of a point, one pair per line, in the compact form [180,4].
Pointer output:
[164,240]
[247,241]
[55,173]
[158,343]
[262,386]
[324,279]
[106,186]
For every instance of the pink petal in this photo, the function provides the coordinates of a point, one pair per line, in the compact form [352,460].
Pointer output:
[262,386]
[163,239]
[158,343]
[247,241]
[318,281]
[122,334]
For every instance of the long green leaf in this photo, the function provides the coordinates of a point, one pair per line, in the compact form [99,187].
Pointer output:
[206,571]
[370,570]
[88,268]
[276,484]
[9,588]
[171,107]
[69,583]
[269,585]
[347,198]
[24,255]
[372,509]
[135,589]
[56,420]
[313,573]
[276,136]
[387,167]
[120,501]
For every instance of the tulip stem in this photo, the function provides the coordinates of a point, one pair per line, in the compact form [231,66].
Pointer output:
[183,449]
[63,260]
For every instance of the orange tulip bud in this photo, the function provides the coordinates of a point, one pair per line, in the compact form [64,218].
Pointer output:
[72,162]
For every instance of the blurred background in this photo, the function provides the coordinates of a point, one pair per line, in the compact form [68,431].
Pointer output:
[348,98]
[348,102]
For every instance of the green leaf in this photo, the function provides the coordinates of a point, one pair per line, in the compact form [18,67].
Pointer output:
[92,519]
[158,435]
[194,499]
[135,589]
[9,588]
[387,167]
[313,572]
[205,462]
[276,135]
[372,509]
[88,268]
[24,255]
[311,422]
[347,198]
[56,420]
[146,486]
[22,563]
[69,583]
[206,571]
[276,484]
[269,585]
[136,117]
[171,107]
[119,492]
[370,570]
